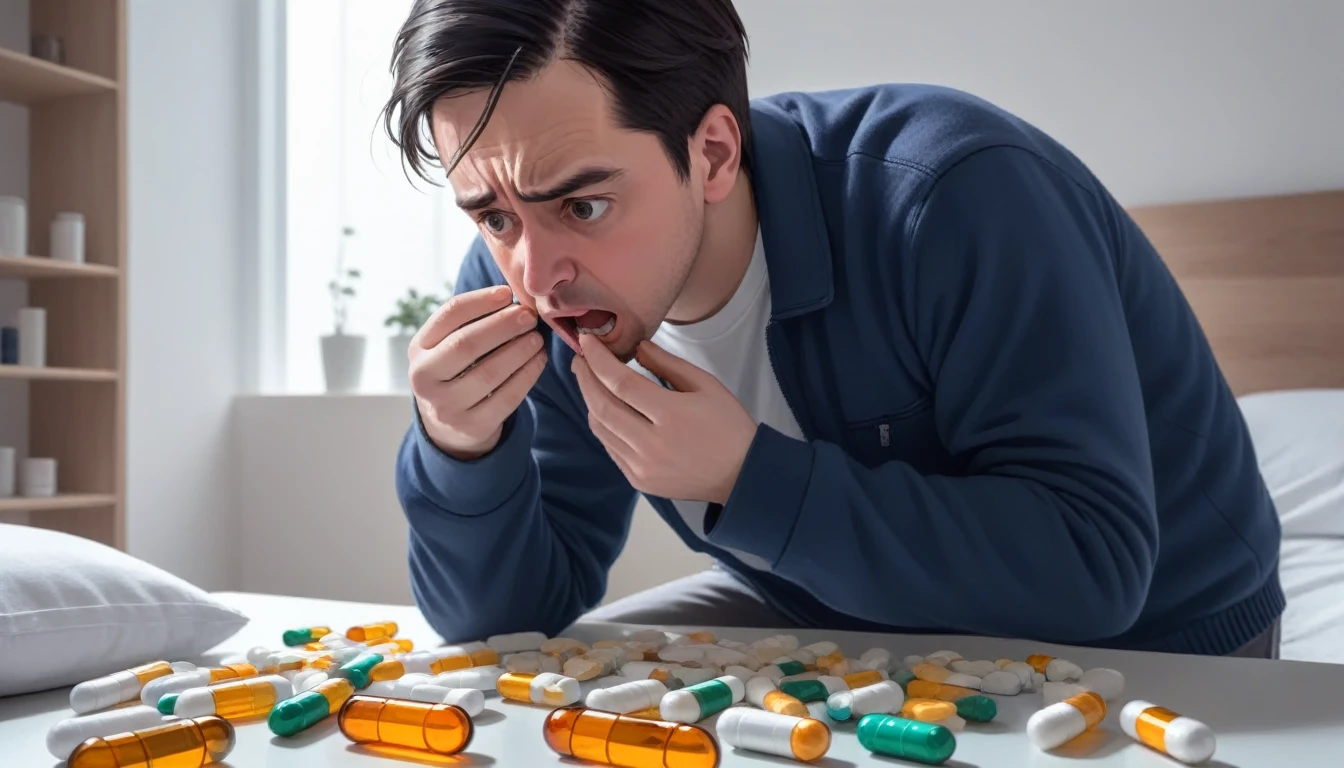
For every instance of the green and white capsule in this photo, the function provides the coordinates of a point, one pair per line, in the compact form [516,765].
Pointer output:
[814,690]
[697,702]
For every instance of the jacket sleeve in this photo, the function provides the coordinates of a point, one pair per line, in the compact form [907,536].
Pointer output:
[1010,294]
[523,537]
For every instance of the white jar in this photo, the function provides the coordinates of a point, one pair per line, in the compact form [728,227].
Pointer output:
[67,237]
[13,227]
[33,336]
[39,477]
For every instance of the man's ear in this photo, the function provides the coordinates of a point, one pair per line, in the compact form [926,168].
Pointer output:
[717,152]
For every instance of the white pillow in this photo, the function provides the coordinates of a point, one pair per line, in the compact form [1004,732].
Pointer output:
[1299,442]
[72,609]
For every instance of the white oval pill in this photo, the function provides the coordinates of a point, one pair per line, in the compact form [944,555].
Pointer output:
[627,697]
[1063,671]
[175,683]
[1025,672]
[469,699]
[911,662]
[480,678]
[1180,737]
[964,681]
[1053,693]
[1001,682]
[876,658]
[771,733]
[883,698]
[1107,682]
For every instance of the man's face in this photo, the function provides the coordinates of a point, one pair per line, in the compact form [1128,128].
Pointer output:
[588,221]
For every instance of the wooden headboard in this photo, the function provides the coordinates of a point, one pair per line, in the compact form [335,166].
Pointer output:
[1265,277]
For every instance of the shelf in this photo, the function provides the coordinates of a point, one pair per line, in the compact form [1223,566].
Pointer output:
[37,267]
[55,374]
[26,79]
[59,501]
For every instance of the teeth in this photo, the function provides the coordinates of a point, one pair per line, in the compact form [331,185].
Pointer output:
[602,330]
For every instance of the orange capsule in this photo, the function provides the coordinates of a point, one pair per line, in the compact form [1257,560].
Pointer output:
[179,744]
[445,729]
[628,742]
[365,631]
[1039,661]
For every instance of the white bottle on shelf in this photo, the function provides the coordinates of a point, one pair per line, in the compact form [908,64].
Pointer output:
[67,237]
[39,477]
[13,226]
[33,337]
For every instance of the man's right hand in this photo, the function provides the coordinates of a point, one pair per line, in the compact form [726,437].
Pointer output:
[472,364]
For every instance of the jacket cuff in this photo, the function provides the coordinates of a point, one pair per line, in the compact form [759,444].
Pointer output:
[481,485]
[767,499]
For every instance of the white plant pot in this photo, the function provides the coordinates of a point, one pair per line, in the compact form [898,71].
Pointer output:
[399,364]
[343,362]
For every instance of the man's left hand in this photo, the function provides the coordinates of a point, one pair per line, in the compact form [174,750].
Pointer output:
[688,444]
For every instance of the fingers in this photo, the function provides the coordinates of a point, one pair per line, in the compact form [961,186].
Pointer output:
[466,346]
[491,371]
[622,420]
[460,310]
[501,403]
[621,381]
[682,375]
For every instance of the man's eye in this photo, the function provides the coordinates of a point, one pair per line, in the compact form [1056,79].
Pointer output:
[589,210]
[497,223]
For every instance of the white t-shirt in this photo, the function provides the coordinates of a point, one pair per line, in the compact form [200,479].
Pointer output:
[731,345]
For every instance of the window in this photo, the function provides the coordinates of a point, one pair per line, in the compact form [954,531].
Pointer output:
[343,171]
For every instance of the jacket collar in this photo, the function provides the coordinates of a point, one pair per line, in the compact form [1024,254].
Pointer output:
[788,204]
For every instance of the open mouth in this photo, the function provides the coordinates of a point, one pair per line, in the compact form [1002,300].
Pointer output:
[595,322]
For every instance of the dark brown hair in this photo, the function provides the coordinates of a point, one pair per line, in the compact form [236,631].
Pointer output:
[665,62]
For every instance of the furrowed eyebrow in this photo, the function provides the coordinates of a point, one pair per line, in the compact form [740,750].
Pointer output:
[585,178]
[477,202]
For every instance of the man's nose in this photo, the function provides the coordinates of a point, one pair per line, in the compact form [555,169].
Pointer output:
[545,264]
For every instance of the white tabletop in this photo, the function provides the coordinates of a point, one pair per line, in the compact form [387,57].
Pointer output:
[1266,713]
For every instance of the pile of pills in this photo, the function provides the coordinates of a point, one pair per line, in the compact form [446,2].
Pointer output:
[640,701]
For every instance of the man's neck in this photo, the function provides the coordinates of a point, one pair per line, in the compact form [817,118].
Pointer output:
[726,247]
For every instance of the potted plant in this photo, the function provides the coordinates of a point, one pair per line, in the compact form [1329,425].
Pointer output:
[342,353]
[413,310]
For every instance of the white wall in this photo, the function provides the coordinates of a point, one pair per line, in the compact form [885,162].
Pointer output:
[13,181]
[1166,101]
[185,153]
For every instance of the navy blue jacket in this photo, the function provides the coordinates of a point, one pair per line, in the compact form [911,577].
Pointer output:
[1015,426]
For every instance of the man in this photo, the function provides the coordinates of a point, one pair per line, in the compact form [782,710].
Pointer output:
[892,356]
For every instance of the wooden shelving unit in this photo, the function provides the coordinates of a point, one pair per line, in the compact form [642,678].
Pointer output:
[76,162]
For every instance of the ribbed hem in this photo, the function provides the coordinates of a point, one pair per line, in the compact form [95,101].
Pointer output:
[1227,631]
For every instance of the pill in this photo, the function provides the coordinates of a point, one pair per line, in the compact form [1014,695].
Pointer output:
[627,741]
[655,636]
[304,710]
[180,743]
[358,669]
[516,641]
[1061,671]
[813,690]
[902,677]
[627,697]
[469,700]
[307,679]
[762,692]
[1177,736]
[977,709]
[126,685]
[581,668]
[65,735]
[365,632]
[388,646]
[530,661]
[1002,683]
[697,702]
[975,668]
[842,667]
[464,659]
[480,678]
[963,681]
[931,672]
[703,636]
[895,736]
[302,635]
[911,662]
[825,662]
[1053,693]
[235,700]
[1107,682]
[951,656]
[180,681]
[443,729]
[927,710]
[788,642]
[809,659]
[771,733]
[866,677]
[741,673]
[563,648]
[1039,661]
[876,658]
[412,688]
[542,688]
[1058,723]
[1003,663]
[724,657]
[1037,680]
[256,655]
[694,675]
[1024,672]
[884,697]
[922,689]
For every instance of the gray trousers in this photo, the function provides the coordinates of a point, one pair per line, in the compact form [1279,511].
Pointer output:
[715,598]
